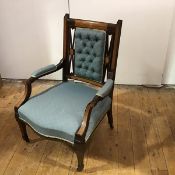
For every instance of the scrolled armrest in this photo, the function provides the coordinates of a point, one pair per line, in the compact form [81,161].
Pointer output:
[105,89]
[35,75]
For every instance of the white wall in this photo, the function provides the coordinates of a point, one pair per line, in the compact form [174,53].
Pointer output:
[169,73]
[31,33]
[145,33]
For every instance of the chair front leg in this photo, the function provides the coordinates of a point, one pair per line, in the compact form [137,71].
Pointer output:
[80,149]
[22,127]
[110,117]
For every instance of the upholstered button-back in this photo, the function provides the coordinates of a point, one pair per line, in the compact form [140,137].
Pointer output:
[89,53]
[70,110]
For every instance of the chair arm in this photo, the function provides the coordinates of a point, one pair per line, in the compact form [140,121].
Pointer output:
[105,89]
[44,70]
[47,70]
[35,76]
[81,132]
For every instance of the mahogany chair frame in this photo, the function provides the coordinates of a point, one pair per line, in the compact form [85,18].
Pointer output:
[113,31]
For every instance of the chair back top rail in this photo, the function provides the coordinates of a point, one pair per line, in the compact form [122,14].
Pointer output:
[108,27]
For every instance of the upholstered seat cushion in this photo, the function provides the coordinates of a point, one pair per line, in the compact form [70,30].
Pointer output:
[58,111]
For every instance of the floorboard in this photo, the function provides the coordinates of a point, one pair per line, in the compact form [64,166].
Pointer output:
[141,143]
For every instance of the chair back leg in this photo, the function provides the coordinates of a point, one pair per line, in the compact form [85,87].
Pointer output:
[110,118]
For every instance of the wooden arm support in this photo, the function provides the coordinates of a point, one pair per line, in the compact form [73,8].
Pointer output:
[28,85]
[81,132]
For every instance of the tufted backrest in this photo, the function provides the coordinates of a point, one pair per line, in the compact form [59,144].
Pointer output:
[89,53]
[90,50]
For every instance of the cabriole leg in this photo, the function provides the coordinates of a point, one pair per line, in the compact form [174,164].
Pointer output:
[80,151]
[22,127]
[110,118]
[23,130]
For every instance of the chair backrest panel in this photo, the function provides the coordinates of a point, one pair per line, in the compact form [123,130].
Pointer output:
[89,53]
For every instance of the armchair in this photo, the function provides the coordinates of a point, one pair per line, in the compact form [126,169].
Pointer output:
[88,56]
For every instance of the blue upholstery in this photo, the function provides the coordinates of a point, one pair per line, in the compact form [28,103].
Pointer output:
[104,91]
[44,70]
[89,53]
[58,111]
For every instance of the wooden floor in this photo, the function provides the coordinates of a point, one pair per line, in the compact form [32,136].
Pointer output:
[142,143]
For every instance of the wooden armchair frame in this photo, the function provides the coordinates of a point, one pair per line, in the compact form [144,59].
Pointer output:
[113,31]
